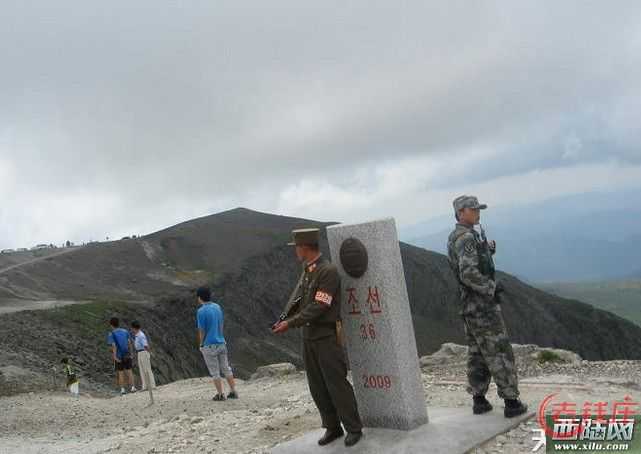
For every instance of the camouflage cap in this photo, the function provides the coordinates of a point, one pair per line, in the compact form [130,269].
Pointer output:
[305,236]
[467,201]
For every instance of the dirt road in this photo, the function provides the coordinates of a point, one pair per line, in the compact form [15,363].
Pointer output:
[7,307]
[38,259]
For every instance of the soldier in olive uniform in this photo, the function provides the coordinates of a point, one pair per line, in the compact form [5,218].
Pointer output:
[490,353]
[315,306]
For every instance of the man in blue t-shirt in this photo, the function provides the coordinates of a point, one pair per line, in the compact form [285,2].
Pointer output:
[120,342]
[209,319]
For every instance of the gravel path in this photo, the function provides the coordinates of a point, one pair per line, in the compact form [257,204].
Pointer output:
[269,411]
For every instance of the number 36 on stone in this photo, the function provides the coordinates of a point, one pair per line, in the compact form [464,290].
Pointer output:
[368,331]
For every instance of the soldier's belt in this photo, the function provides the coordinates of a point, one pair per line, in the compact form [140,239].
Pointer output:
[322,325]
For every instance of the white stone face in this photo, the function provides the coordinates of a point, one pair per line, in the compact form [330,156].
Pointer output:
[378,329]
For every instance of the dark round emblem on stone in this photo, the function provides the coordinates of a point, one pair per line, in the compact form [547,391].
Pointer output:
[353,257]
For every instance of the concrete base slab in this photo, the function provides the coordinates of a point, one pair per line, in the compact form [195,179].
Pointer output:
[450,431]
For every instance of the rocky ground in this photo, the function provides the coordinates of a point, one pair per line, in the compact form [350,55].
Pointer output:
[276,408]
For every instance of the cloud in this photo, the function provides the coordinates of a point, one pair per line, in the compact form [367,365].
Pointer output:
[420,200]
[160,111]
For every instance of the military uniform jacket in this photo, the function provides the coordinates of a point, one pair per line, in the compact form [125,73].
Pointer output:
[473,268]
[319,289]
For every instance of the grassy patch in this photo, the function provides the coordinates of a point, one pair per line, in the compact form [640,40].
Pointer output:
[87,319]
[548,356]
[196,277]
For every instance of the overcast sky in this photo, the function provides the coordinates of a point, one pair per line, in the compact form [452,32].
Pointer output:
[125,117]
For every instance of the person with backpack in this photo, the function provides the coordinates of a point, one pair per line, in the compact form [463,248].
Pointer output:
[120,342]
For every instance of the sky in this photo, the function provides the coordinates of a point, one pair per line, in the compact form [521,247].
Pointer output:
[121,118]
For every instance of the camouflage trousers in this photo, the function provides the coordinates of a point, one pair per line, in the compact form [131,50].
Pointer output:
[490,354]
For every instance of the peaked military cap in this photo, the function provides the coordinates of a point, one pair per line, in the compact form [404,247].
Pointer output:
[467,201]
[305,236]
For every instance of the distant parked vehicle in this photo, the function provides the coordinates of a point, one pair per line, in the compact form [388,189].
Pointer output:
[40,247]
[125,238]
[22,249]
[7,251]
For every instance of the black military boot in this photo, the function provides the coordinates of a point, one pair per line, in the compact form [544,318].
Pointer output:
[514,407]
[481,405]
[330,435]
[352,438]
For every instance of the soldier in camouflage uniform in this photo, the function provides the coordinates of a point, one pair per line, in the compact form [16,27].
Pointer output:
[314,306]
[490,353]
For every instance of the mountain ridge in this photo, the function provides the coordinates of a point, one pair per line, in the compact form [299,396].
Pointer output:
[243,256]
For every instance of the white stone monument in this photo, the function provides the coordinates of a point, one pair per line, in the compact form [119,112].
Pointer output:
[377,325]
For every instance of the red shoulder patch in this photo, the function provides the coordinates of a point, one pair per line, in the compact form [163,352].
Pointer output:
[323,298]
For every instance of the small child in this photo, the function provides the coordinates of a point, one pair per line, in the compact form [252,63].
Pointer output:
[72,379]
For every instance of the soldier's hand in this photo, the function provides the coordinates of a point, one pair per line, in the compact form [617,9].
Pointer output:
[492,245]
[280,327]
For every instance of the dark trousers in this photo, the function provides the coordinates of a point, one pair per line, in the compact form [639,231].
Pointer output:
[327,378]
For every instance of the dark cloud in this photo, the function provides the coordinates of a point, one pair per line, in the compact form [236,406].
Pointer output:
[117,116]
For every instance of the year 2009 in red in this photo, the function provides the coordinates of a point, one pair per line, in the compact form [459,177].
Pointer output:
[376,381]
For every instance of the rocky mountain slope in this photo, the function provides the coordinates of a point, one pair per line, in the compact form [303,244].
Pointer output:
[242,254]
[142,269]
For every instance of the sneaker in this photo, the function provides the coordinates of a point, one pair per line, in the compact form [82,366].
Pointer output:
[133,389]
[232,395]
[219,397]
[122,391]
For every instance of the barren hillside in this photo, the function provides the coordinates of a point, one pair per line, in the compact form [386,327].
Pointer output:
[242,254]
